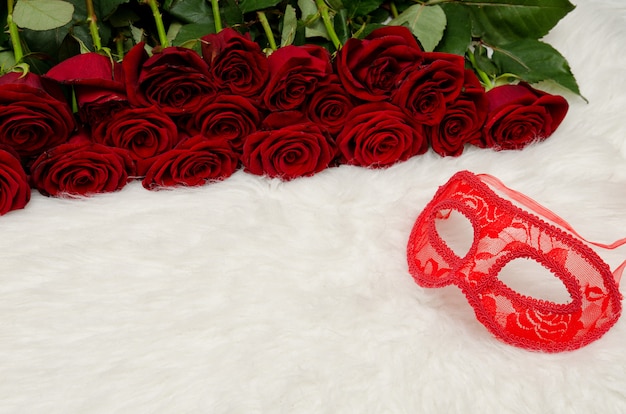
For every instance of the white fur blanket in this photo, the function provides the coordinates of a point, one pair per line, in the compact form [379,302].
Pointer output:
[258,296]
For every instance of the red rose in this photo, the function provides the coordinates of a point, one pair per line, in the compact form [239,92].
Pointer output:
[80,169]
[98,85]
[34,115]
[430,86]
[329,105]
[371,69]
[14,187]
[236,62]
[293,151]
[176,79]
[295,72]
[230,118]
[519,115]
[278,120]
[144,132]
[547,326]
[379,134]
[463,120]
[193,162]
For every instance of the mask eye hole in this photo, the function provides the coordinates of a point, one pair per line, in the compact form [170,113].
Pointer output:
[529,278]
[456,231]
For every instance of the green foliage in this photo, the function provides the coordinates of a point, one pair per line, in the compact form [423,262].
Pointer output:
[427,23]
[42,14]
[498,37]
[534,61]
[457,35]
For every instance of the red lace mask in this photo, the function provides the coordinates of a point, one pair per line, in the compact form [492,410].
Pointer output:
[502,233]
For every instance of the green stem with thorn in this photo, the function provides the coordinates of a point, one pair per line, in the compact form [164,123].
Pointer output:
[267,29]
[92,19]
[158,20]
[323,8]
[14,34]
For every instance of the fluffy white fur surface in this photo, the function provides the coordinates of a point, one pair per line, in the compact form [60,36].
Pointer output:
[258,296]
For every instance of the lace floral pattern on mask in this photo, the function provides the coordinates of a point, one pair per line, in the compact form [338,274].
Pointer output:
[503,233]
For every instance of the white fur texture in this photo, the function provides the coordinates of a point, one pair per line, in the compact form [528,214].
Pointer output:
[257,296]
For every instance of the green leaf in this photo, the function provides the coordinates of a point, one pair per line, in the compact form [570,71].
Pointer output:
[247,6]
[426,22]
[534,61]
[361,7]
[7,60]
[310,15]
[500,21]
[231,14]
[340,25]
[189,35]
[105,8]
[192,11]
[458,34]
[42,14]
[290,26]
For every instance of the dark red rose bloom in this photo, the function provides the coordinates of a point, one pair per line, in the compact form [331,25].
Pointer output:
[329,105]
[278,120]
[144,132]
[519,115]
[290,152]
[193,162]
[463,121]
[34,114]
[371,69]
[81,168]
[175,79]
[295,72]
[229,118]
[430,86]
[98,84]
[14,187]
[379,134]
[236,62]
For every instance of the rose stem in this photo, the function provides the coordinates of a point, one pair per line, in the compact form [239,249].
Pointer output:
[92,19]
[119,46]
[323,9]
[159,22]
[267,29]
[487,83]
[394,9]
[216,16]
[14,34]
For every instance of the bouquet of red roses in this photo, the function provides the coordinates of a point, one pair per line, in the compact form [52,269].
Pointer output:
[120,97]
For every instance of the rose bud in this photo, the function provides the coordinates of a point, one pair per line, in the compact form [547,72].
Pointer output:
[195,161]
[329,105]
[295,72]
[372,68]
[429,86]
[379,134]
[293,151]
[463,121]
[98,84]
[236,62]
[519,115]
[175,79]
[14,187]
[81,168]
[229,118]
[143,132]
[281,119]
[34,114]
